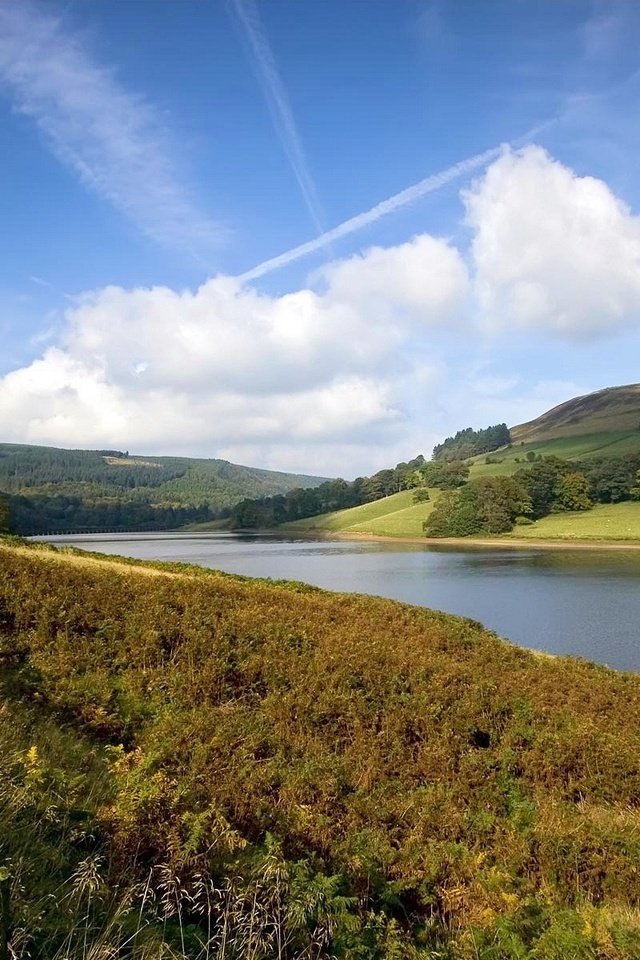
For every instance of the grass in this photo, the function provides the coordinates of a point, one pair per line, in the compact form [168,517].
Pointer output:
[394,516]
[607,521]
[397,516]
[610,444]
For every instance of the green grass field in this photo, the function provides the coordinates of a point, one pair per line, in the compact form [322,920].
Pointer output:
[398,516]
[394,516]
[606,521]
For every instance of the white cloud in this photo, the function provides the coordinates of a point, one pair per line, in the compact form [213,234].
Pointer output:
[226,367]
[372,361]
[112,139]
[552,250]
[425,277]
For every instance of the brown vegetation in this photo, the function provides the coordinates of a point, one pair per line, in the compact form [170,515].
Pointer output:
[440,792]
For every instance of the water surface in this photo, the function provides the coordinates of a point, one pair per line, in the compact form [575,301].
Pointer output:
[571,602]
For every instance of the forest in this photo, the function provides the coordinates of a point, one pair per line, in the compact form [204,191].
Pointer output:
[54,490]
[196,765]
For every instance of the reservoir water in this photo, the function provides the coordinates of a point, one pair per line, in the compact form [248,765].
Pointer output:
[583,603]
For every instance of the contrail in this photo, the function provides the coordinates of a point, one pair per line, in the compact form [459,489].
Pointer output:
[410,195]
[278,104]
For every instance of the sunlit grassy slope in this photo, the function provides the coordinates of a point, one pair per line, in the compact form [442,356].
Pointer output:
[201,766]
[606,521]
[394,516]
[616,415]
[613,444]
[398,516]
[601,424]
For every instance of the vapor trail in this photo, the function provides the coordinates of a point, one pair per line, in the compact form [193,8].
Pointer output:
[278,104]
[410,195]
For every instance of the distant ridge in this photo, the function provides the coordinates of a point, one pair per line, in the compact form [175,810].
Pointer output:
[608,410]
[53,490]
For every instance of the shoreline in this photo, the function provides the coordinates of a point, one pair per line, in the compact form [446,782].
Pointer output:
[477,542]
[480,543]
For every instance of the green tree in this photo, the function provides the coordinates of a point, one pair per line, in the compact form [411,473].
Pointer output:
[485,505]
[451,518]
[540,482]
[469,442]
[497,501]
[634,492]
[572,492]
[445,475]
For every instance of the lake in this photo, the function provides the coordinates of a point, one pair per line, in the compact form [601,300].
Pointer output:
[585,603]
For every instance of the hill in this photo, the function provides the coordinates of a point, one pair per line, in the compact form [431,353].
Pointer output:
[200,765]
[53,489]
[613,410]
[398,516]
[567,432]
[393,516]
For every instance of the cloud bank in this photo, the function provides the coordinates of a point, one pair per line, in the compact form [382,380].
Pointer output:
[358,358]
[227,366]
[552,250]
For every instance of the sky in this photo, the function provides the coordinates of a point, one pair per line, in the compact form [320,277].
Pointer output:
[313,236]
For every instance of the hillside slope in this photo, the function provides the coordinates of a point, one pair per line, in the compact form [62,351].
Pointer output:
[349,776]
[70,489]
[394,516]
[613,409]
[398,516]
[594,428]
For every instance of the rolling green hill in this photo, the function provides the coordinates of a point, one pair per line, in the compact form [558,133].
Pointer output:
[53,489]
[397,516]
[206,767]
[598,426]
[394,516]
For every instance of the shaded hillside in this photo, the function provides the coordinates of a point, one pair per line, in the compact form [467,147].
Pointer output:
[380,780]
[614,409]
[54,489]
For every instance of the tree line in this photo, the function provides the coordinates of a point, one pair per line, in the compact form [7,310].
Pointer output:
[469,442]
[34,515]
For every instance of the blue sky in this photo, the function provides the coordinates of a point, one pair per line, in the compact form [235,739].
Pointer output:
[158,155]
